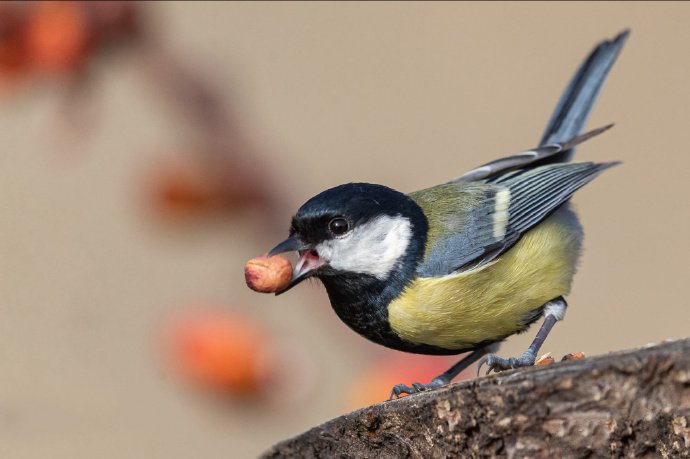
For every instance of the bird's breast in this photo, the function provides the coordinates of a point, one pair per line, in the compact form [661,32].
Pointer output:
[364,310]
[490,303]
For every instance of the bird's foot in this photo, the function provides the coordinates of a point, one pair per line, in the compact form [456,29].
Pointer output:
[496,363]
[402,389]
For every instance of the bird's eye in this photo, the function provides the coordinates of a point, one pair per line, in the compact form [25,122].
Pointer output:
[338,226]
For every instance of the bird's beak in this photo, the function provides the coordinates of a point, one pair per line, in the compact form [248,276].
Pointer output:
[307,264]
[290,244]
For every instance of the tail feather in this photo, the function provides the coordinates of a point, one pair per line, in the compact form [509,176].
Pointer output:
[577,100]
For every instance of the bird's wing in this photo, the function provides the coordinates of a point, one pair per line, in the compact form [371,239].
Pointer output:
[525,158]
[470,224]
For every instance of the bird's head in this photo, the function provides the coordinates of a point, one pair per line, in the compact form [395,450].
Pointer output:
[355,230]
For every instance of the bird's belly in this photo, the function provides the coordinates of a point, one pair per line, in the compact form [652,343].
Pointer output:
[499,299]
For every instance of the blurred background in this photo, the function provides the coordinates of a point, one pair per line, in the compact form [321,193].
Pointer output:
[149,149]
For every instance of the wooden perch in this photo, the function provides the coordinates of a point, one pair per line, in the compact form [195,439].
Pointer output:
[626,404]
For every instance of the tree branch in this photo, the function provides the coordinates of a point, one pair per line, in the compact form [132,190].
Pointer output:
[627,404]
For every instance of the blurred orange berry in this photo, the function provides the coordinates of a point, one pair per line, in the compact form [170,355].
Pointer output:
[183,190]
[57,36]
[218,350]
[375,385]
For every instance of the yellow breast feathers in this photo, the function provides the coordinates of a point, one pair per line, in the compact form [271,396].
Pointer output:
[492,302]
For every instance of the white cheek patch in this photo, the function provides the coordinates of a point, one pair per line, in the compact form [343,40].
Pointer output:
[371,248]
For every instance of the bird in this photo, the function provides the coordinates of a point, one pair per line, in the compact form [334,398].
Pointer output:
[461,266]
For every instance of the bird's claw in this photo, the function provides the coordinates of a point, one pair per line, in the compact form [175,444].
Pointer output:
[496,363]
[402,389]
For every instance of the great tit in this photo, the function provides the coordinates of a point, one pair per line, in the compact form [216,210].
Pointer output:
[460,266]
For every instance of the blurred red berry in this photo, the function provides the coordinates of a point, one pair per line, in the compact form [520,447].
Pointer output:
[12,55]
[57,36]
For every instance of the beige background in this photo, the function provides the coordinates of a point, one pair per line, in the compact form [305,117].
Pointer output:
[405,94]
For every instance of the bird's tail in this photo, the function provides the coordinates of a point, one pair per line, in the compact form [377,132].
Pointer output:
[579,96]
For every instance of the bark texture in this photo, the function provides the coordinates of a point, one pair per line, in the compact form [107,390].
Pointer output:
[627,404]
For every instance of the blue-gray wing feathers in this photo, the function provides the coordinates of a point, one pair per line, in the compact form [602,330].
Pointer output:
[508,207]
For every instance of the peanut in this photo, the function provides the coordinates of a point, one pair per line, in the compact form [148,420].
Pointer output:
[268,275]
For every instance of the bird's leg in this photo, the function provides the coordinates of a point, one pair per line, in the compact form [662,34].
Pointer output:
[554,311]
[445,377]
